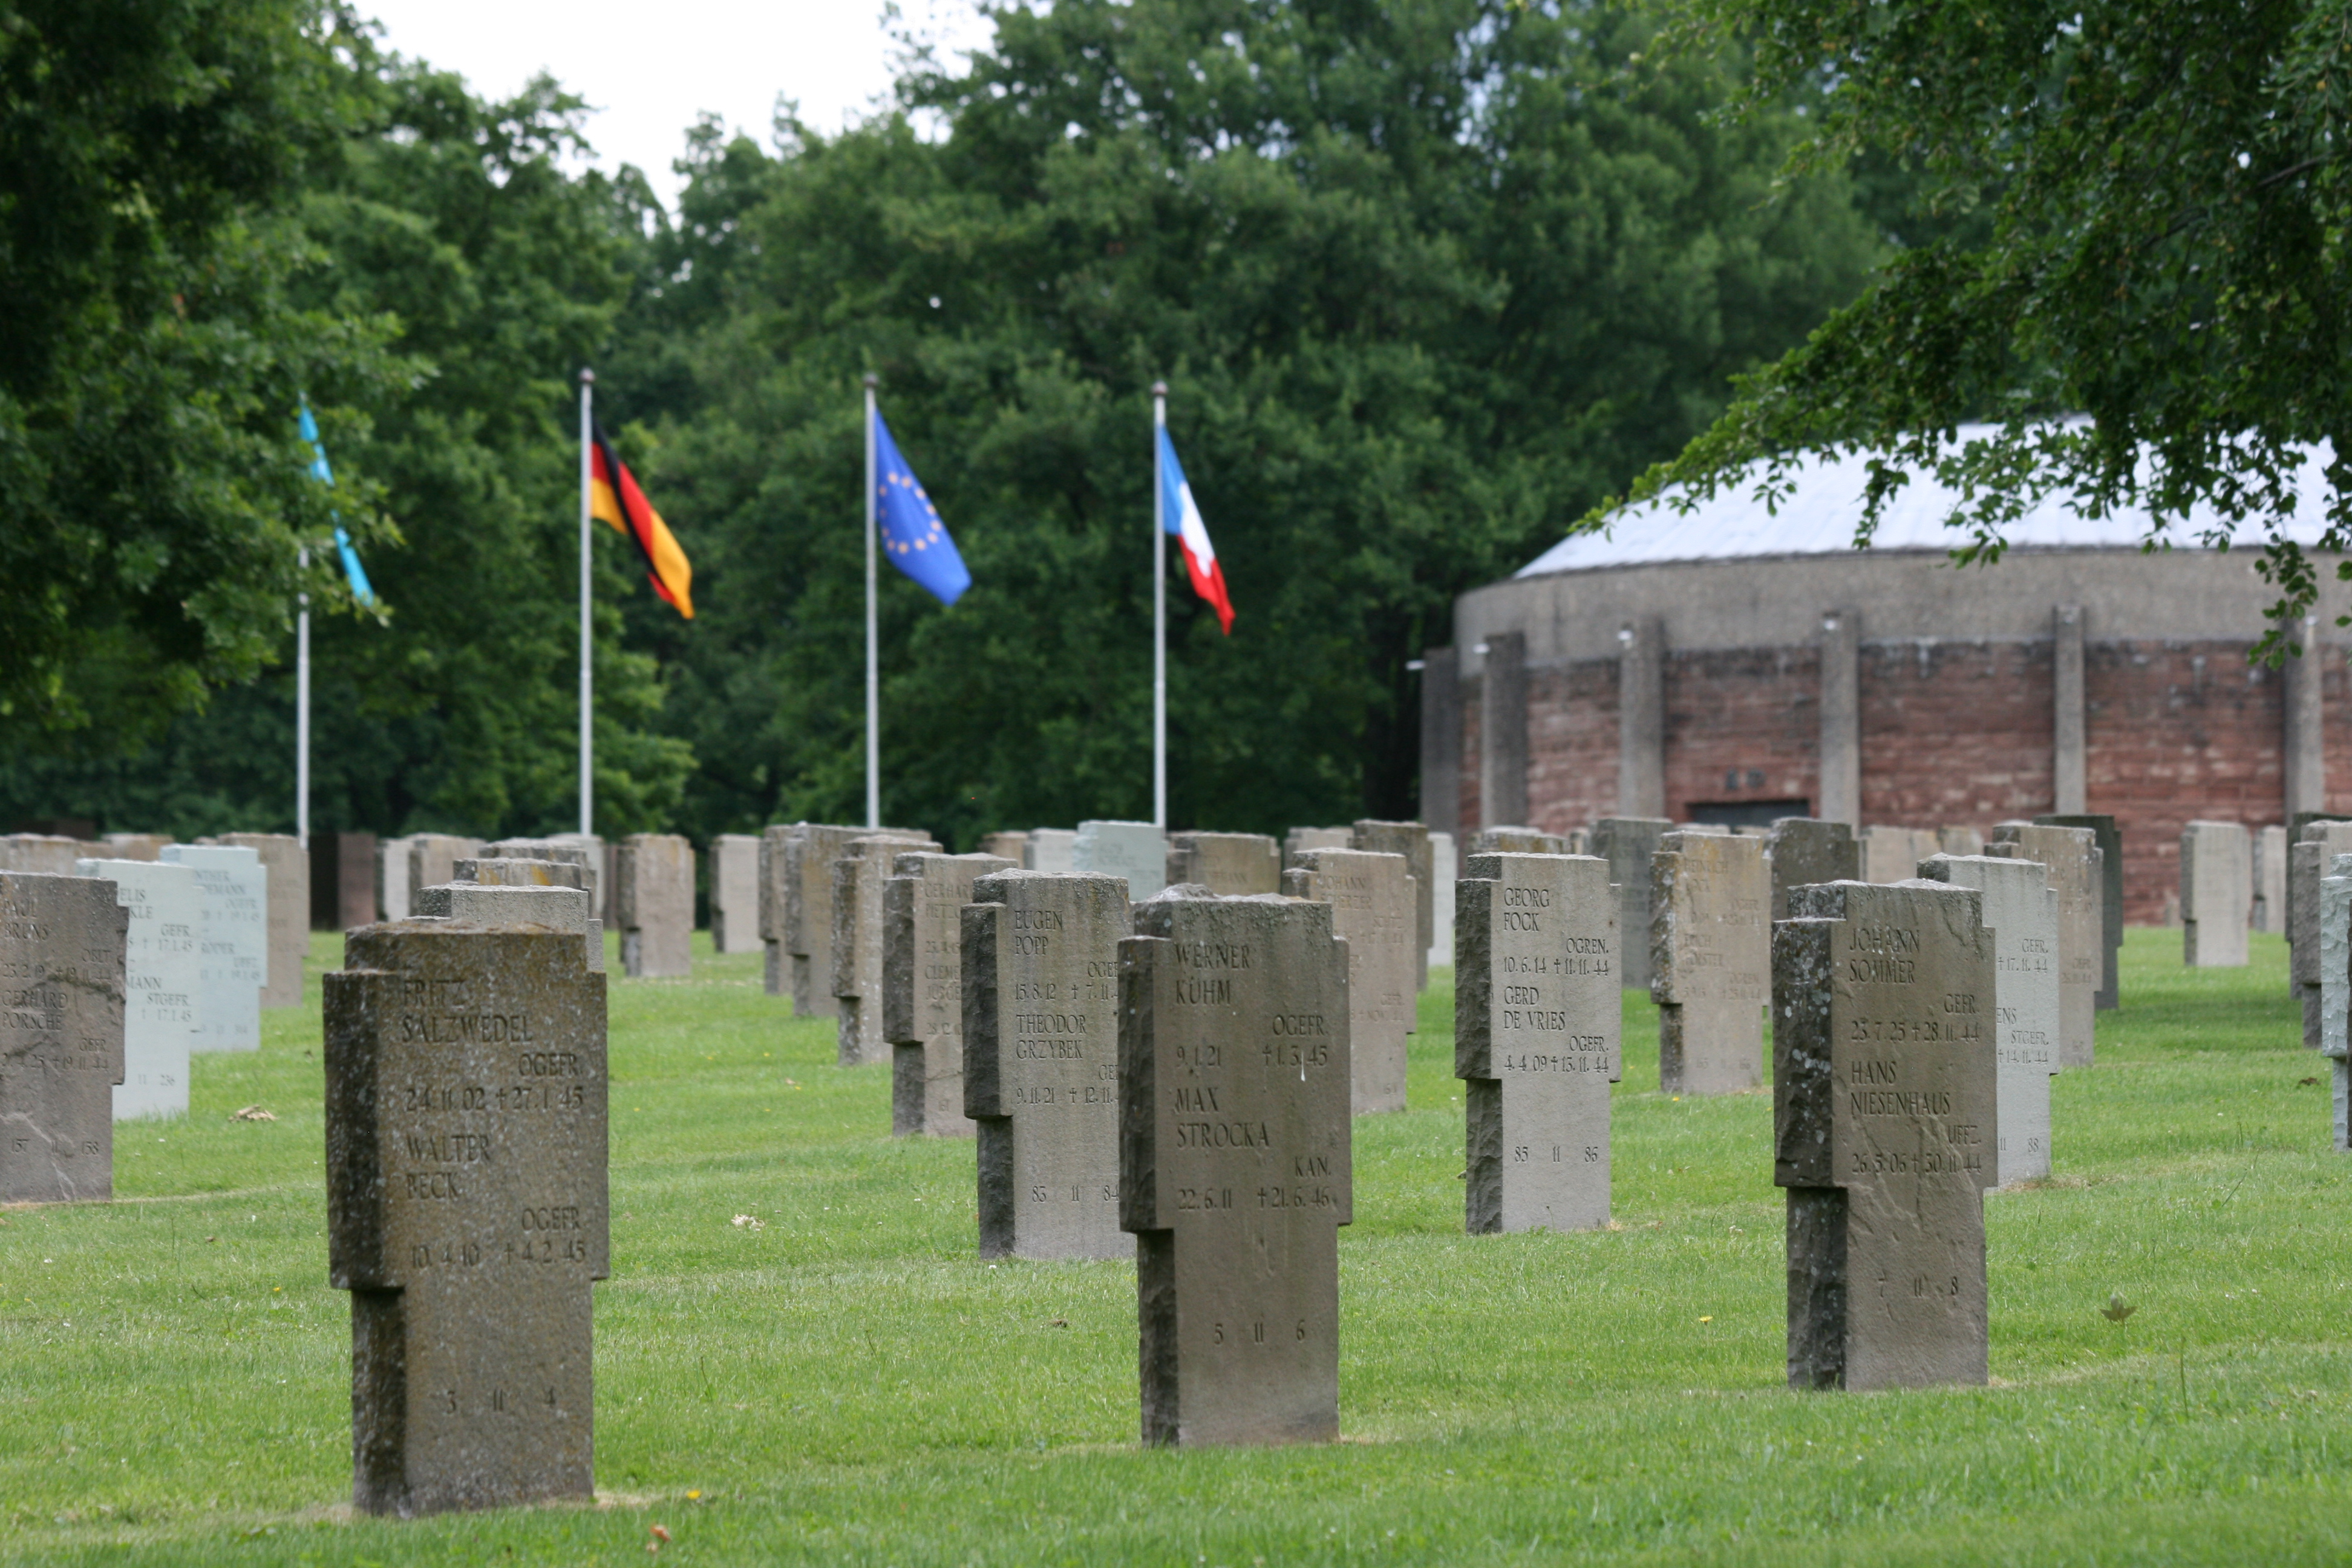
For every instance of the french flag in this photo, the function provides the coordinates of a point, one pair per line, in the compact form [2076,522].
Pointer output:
[1180,516]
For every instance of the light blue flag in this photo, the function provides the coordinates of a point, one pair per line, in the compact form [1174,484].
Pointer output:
[912,534]
[326,475]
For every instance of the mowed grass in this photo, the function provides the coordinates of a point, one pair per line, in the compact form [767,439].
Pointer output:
[845,1383]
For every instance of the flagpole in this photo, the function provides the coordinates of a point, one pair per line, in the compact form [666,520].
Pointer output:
[873,639]
[1158,614]
[302,703]
[587,680]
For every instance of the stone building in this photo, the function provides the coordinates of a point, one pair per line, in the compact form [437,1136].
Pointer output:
[1734,665]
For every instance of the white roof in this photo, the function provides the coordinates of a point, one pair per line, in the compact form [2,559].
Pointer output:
[1817,517]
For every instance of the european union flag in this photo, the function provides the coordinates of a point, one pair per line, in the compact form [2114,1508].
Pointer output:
[912,534]
[352,569]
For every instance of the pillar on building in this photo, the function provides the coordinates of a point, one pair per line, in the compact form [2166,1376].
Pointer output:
[1503,732]
[2306,756]
[1441,741]
[1841,798]
[2069,769]
[1641,718]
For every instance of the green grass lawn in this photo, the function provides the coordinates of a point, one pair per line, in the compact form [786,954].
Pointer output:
[844,1383]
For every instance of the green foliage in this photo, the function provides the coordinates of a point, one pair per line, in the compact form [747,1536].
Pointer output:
[2146,205]
[1427,278]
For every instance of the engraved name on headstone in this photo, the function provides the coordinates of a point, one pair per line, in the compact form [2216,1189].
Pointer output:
[1410,839]
[1375,909]
[1235,1164]
[1135,851]
[2021,911]
[1804,850]
[467,1209]
[232,943]
[1884,1112]
[1040,1061]
[160,986]
[922,988]
[735,893]
[2217,894]
[1537,1038]
[289,870]
[653,898]
[857,908]
[1710,941]
[1230,865]
[62,943]
[2071,858]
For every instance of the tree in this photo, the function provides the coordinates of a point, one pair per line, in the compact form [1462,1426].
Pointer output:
[2154,196]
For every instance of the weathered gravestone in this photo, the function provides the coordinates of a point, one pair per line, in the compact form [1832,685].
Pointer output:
[61,1020]
[1710,941]
[2110,843]
[1039,972]
[232,943]
[653,898]
[2070,857]
[776,963]
[1893,854]
[1884,1115]
[1518,841]
[1135,851]
[2270,880]
[392,888]
[735,893]
[159,983]
[1009,843]
[1960,841]
[288,872]
[467,1209]
[1050,849]
[146,846]
[47,854]
[2217,894]
[2308,862]
[2020,912]
[572,849]
[517,873]
[424,860]
[1375,910]
[1537,1038]
[511,900]
[922,988]
[2334,945]
[1805,850]
[1627,843]
[1300,839]
[858,880]
[803,856]
[1410,839]
[342,880]
[1444,871]
[1230,865]
[1235,1164]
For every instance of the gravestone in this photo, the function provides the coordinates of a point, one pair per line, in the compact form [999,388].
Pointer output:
[433,859]
[342,880]
[588,854]
[1230,865]
[2217,894]
[922,988]
[1537,1038]
[1235,1164]
[467,1207]
[44,854]
[1893,854]
[140,847]
[1374,910]
[2020,912]
[856,907]
[1410,839]
[735,893]
[653,895]
[393,887]
[805,928]
[1518,841]
[1050,849]
[516,873]
[2111,904]
[1960,841]
[1884,1100]
[1444,871]
[62,942]
[1710,941]
[517,904]
[2308,862]
[776,963]
[1008,845]
[160,1021]
[2333,945]
[288,871]
[1040,970]
[2270,880]
[1627,843]
[2070,857]
[1805,850]
[1299,840]
[232,943]
[1135,851]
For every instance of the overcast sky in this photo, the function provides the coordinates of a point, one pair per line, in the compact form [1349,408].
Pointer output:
[649,68]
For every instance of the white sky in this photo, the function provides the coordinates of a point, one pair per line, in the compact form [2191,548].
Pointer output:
[650,68]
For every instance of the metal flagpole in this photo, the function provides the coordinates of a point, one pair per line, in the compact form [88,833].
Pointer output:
[1158,614]
[302,706]
[587,686]
[873,640]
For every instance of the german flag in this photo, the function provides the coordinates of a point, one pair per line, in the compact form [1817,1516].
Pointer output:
[613,495]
